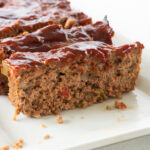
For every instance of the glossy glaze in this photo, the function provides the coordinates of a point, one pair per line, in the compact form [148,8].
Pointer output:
[31,13]
[68,53]
[54,36]
[122,50]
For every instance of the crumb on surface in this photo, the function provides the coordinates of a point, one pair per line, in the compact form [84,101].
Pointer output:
[42,125]
[108,107]
[19,144]
[81,117]
[17,112]
[6,147]
[59,119]
[46,137]
[120,105]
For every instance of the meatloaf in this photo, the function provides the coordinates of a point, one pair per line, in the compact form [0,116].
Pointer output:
[50,37]
[78,75]
[17,16]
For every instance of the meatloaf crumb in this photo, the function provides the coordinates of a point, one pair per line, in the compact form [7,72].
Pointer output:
[17,112]
[46,137]
[43,126]
[19,144]
[59,119]
[108,107]
[5,147]
[120,105]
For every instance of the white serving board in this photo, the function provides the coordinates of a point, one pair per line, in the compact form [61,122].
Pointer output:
[98,128]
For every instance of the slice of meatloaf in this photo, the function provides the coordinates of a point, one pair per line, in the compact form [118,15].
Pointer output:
[50,37]
[78,75]
[17,16]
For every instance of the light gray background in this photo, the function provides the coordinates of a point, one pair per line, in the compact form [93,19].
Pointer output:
[141,143]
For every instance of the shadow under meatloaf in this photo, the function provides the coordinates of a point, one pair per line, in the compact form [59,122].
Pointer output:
[78,75]
[50,37]
[17,16]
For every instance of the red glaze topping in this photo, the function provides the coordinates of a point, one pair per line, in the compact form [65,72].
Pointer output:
[54,36]
[33,14]
[122,50]
[84,49]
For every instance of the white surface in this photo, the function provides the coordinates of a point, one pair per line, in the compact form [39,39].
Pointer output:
[100,127]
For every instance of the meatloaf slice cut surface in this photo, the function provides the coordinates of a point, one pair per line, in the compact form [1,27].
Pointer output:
[17,16]
[50,37]
[78,75]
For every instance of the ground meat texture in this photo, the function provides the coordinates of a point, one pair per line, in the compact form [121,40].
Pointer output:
[50,37]
[47,83]
[3,85]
